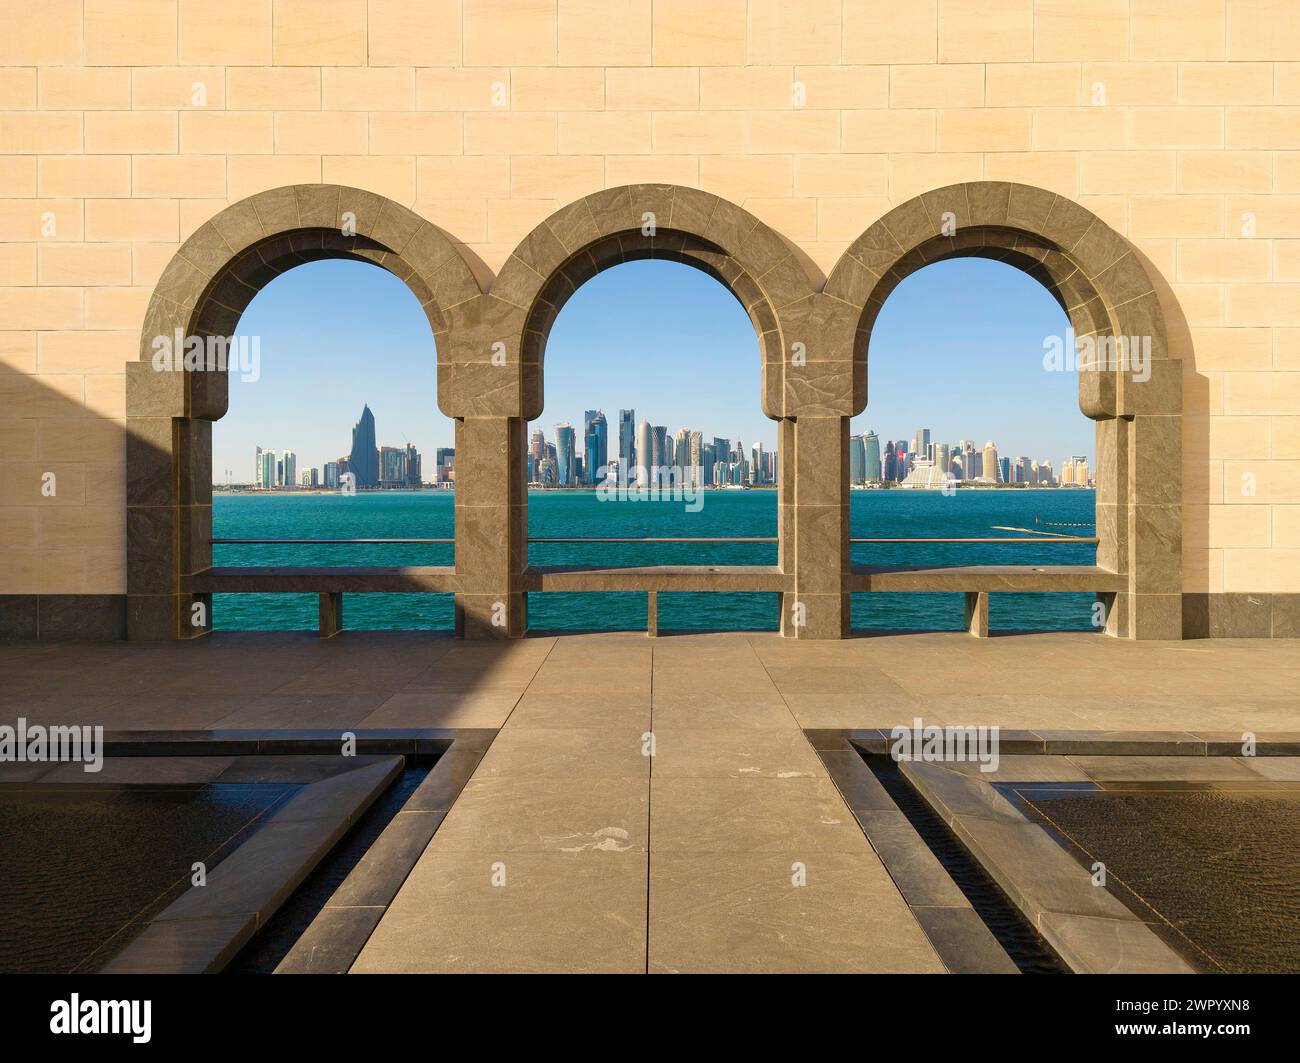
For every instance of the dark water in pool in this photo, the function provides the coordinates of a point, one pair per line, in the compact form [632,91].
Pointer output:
[1221,868]
[429,514]
[84,867]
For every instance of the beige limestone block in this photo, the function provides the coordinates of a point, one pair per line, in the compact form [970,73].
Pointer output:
[413,33]
[319,32]
[233,32]
[686,33]
[269,88]
[511,32]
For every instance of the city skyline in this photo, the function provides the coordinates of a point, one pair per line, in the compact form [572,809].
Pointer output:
[367,464]
[924,461]
[686,456]
[319,357]
[577,460]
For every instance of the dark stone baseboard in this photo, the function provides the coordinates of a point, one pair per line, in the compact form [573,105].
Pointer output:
[1241,616]
[102,617]
[63,617]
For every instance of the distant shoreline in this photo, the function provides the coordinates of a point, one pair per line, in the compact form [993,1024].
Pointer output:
[222,489]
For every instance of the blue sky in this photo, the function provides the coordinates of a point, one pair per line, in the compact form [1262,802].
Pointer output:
[958,348]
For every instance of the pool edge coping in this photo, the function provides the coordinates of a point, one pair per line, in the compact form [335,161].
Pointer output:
[192,936]
[840,751]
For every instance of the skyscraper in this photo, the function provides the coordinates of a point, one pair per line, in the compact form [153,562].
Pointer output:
[595,445]
[921,443]
[363,461]
[644,452]
[857,459]
[627,445]
[660,455]
[257,468]
[566,465]
[444,464]
[536,454]
[392,466]
[696,451]
[871,446]
[1074,471]
[989,470]
[290,474]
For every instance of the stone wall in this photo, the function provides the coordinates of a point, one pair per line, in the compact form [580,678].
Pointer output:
[125,126]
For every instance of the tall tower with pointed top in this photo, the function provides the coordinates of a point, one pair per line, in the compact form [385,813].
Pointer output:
[363,461]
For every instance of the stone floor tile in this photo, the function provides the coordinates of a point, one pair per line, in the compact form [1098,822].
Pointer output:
[766,752]
[789,816]
[732,912]
[724,712]
[303,710]
[615,751]
[591,710]
[444,709]
[555,912]
[512,815]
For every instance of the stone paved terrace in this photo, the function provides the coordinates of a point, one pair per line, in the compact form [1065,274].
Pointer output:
[620,862]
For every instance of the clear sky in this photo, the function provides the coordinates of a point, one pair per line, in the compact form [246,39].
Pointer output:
[958,349]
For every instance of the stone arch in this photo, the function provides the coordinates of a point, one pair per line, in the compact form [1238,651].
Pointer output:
[1107,290]
[202,292]
[493,379]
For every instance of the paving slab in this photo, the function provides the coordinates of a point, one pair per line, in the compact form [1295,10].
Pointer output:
[734,913]
[795,816]
[484,912]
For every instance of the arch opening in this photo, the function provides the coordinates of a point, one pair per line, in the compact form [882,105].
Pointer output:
[339,420]
[978,435]
[652,429]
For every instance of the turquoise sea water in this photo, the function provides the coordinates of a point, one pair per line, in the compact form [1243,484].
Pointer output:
[428,514]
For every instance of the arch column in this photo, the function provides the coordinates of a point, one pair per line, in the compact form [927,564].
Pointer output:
[491,528]
[818,396]
[480,385]
[169,503]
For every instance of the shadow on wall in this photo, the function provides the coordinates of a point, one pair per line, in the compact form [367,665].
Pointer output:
[63,566]
[1207,611]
